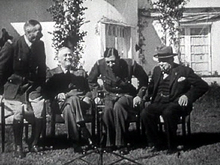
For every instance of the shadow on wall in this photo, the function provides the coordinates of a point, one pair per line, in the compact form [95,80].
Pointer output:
[151,41]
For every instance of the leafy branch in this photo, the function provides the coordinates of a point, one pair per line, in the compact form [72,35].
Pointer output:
[68,18]
[171,11]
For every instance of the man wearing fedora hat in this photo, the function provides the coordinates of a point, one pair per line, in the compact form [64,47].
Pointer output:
[172,90]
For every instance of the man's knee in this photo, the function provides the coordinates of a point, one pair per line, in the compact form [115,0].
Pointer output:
[66,109]
[170,111]
[146,113]
[14,108]
[117,106]
[143,113]
[73,98]
[38,107]
[108,111]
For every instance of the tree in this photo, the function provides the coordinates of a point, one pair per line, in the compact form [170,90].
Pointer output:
[68,18]
[171,12]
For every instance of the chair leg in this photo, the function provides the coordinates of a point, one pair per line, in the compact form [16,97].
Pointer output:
[93,127]
[142,129]
[189,126]
[183,126]
[160,127]
[3,126]
[93,109]
[52,126]
[138,127]
[44,123]
[26,130]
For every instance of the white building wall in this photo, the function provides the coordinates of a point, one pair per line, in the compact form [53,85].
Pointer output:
[199,3]
[215,50]
[13,18]
[203,3]
[120,11]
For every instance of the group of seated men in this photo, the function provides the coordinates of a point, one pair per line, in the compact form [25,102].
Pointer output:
[24,82]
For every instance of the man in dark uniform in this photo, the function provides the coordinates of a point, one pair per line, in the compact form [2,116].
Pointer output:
[6,64]
[173,88]
[23,88]
[68,89]
[120,94]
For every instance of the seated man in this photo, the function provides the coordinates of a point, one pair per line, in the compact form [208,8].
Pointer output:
[173,88]
[68,90]
[120,94]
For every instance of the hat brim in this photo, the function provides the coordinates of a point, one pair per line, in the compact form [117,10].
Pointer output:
[165,56]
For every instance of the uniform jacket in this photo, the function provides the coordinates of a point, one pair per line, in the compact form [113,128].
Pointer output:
[29,67]
[72,84]
[118,80]
[6,64]
[183,81]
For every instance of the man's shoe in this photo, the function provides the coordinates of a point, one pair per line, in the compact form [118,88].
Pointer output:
[87,147]
[175,149]
[109,149]
[155,148]
[152,149]
[124,150]
[34,148]
[19,152]
[77,148]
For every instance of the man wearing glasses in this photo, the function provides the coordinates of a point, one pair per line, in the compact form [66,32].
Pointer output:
[120,95]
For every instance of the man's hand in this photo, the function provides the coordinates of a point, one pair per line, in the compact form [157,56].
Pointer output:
[97,100]
[87,100]
[183,100]
[136,101]
[61,97]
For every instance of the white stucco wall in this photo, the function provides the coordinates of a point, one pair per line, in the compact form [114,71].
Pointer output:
[199,3]
[203,3]
[120,11]
[215,42]
[12,18]
[47,29]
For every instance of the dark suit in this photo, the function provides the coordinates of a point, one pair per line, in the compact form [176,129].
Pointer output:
[119,93]
[6,64]
[75,86]
[182,81]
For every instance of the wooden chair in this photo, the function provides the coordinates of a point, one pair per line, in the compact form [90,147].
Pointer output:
[185,124]
[56,118]
[8,121]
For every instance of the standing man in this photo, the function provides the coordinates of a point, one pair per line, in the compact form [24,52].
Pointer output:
[23,88]
[120,95]
[6,64]
[173,89]
[68,89]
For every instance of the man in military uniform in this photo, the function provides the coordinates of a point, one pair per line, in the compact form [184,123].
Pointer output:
[120,95]
[26,57]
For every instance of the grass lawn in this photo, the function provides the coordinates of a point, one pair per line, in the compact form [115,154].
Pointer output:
[202,148]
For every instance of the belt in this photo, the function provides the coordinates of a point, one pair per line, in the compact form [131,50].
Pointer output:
[162,95]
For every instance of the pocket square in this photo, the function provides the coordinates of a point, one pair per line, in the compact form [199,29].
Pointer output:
[181,79]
